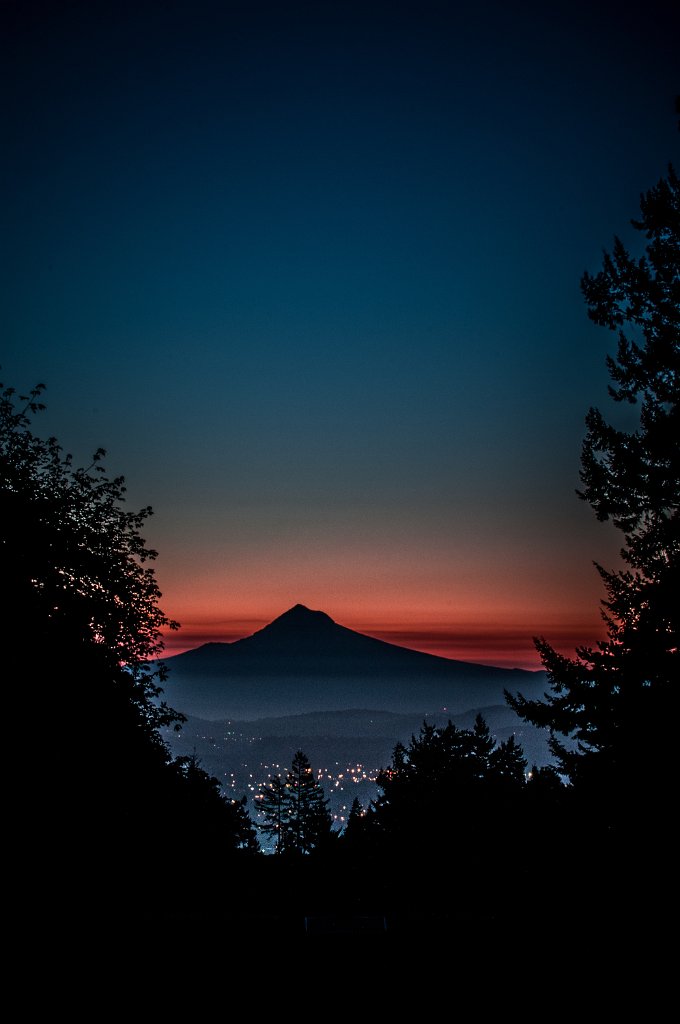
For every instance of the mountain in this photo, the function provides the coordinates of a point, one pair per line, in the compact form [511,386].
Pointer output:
[303,661]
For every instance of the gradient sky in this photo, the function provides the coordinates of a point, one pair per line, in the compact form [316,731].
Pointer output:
[310,273]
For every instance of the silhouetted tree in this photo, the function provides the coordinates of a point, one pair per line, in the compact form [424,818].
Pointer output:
[208,818]
[273,807]
[309,823]
[482,747]
[82,629]
[355,823]
[73,556]
[618,701]
[295,810]
[446,787]
[507,764]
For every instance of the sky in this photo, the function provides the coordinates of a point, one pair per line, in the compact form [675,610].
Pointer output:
[309,272]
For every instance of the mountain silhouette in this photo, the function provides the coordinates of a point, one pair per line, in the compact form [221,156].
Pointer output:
[303,661]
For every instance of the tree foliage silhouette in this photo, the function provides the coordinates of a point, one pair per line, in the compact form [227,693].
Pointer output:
[618,700]
[449,785]
[209,818]
[82,628]
[295,811]
[353,831]
[310,820]
[273,809]
[75,567]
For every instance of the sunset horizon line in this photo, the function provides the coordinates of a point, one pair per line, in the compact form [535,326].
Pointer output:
[503,646]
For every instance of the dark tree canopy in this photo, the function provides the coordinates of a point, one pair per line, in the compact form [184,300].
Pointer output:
[82,627]
[273,809]
[618,700]
[211,819]
[76,574]
[355,823]
[295,811]
[450,786]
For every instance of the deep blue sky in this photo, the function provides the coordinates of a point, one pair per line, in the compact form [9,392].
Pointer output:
[310,274]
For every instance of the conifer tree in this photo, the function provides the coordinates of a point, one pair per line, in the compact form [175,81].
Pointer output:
[482,745]
[309,821]
[617,702]
[207,816]
[273,806]
[444,786]
[295,810]
[507,764]
[355,822]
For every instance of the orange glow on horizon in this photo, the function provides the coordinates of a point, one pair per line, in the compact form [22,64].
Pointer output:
[478,602]
[507,646]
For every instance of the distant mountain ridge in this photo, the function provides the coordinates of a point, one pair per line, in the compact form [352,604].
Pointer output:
[303,662]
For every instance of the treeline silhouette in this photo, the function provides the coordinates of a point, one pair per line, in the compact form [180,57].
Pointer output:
[107,816]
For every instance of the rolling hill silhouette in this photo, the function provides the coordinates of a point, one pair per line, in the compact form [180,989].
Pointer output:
[303,661]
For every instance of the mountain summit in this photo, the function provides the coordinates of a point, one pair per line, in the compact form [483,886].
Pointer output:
[303,661]
[297,619]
